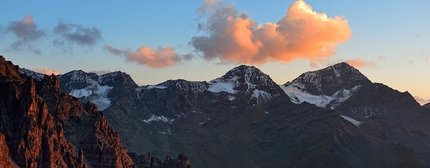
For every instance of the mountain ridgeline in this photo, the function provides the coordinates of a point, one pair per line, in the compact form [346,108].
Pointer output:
[43,126]
[333,117]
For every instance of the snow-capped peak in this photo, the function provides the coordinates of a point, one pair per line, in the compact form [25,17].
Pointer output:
[248,80]
[242,77]
[331,85]
[117,78]
[35,75]
[86,86]
[249,74]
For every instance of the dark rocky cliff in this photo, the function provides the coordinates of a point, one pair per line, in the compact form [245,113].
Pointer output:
[43,126]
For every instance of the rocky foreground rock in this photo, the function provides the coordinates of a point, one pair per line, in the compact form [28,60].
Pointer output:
[43,126]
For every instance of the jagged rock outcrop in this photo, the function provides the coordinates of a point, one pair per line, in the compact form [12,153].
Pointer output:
[37,126]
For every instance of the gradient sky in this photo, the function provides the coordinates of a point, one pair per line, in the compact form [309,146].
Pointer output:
[154,41]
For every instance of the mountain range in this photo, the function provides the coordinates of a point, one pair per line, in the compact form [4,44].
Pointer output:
[332,117]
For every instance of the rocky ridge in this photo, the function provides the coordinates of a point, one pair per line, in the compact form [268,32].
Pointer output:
[43,126]
[378,110]
[244,119]
[327,87]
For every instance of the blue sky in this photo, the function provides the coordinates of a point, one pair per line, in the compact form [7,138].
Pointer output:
[391,39]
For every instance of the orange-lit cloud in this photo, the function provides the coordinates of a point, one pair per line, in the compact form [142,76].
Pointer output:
[420,100]
[158,58]
[302,33]
[46,71]
[358,63]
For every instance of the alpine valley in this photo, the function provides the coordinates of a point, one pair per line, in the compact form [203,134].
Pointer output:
[332,117]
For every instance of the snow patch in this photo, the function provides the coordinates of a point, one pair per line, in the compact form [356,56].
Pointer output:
[298,95]
[222,87]
[78,93]
[204,122]
[261,96]
[231,98]
[35,75]
[336,72]
[94,92]
[155,87]
[158,118]
[351,120]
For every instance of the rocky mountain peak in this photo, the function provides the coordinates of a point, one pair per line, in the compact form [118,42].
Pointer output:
[35,75]
[326,87]
[246,77]
[328,81]
[181,84]
[116,78]
[52,125]
[248,74]
[77,79]
[95,88]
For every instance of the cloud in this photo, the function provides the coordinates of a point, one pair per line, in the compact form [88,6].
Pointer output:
[101,72]
[358,63]
[74,34]
[26,31]
[233,37]
[2,31]
[421,100]
[155,58]
[382,58]
[46,71]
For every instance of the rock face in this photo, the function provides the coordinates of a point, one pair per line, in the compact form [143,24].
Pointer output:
[378,110]
[427,106]
[244,119]
[42,126]
[149,161]
[327,87]
[100,90]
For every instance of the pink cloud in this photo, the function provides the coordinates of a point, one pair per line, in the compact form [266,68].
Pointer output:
[46,71]
[301,34]
[358,63]
[155,58]
[420,100]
